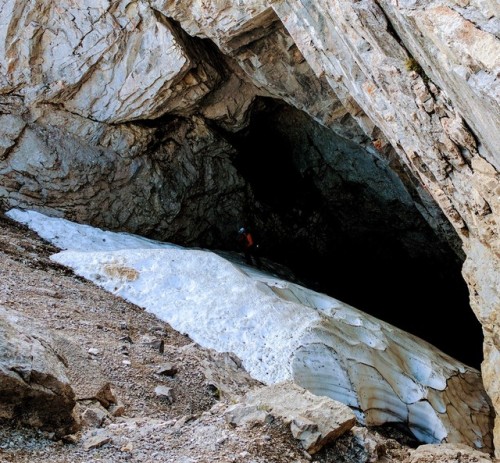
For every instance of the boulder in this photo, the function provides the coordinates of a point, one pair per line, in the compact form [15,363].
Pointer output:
[315,421]
[44,375]
[34,385]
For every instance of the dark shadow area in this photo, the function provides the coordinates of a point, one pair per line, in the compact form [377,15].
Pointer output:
[349,449]
[345,224]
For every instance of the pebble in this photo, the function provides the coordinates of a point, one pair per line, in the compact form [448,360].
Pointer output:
[127,447]
[166,369]
[164,392]
[95,442]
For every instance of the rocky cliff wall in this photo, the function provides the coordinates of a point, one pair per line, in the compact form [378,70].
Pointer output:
[112,113]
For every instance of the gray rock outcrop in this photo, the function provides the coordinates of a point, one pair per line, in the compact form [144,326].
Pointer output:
[47,381]
[315,421]
[34,387]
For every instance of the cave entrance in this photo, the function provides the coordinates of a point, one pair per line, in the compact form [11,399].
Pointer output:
[347,226]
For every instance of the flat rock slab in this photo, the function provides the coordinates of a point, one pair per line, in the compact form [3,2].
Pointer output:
[314,420]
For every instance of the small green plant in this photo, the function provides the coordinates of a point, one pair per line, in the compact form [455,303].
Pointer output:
[412,64]
[264,407]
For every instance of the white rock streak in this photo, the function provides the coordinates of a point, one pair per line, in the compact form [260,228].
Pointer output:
[283,331]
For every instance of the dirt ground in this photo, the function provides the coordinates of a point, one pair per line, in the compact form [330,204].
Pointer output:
[129,344]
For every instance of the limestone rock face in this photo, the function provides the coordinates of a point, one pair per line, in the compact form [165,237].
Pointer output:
[74,81]
[114,114]
[33,382]
[357,47]
[255,37]
[101,62]
[101,174]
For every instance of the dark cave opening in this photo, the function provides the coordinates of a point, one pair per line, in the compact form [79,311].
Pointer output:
[344,224]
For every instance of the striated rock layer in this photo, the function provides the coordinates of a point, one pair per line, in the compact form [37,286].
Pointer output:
[114,114]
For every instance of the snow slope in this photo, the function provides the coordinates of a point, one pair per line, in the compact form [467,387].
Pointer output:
[280,330]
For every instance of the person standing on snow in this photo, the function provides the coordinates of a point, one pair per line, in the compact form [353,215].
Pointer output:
[249,247]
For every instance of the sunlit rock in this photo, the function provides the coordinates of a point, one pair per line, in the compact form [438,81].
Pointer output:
[101,62]
[314,421]
[445,453]
[254,36]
